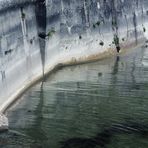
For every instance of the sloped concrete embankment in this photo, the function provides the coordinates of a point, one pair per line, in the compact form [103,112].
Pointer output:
[38,36]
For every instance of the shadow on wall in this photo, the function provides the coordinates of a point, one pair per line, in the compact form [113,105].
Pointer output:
[41,23]
[104,138]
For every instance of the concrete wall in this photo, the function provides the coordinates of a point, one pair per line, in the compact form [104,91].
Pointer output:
[35,36]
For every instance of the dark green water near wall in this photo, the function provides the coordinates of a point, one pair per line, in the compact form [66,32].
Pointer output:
[96,105]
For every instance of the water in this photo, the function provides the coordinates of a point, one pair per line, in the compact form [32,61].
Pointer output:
[96,105]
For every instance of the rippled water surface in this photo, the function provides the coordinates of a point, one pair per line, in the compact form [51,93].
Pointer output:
[96,105]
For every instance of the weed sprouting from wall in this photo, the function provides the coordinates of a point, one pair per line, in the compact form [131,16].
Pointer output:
[50,33]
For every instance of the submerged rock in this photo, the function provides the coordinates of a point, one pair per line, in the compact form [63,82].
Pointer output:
[3,123]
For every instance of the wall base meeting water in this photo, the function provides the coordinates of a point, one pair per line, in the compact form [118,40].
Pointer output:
[37,36]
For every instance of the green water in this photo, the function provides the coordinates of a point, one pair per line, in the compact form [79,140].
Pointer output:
[96,105]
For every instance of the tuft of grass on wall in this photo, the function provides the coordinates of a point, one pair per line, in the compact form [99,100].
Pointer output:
[50,33]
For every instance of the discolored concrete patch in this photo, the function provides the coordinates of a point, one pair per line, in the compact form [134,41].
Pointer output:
[3,123]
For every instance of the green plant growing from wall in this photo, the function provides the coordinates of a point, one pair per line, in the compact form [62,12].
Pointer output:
[50,33]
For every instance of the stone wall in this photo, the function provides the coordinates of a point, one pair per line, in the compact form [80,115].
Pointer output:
[38,35]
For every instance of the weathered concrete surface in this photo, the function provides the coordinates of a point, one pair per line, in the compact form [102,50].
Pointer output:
[36,36]
[3,123]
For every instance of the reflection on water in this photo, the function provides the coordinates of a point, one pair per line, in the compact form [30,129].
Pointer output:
[104,138]
[95,105]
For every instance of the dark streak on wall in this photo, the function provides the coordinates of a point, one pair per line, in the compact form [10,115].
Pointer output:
[41,23]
